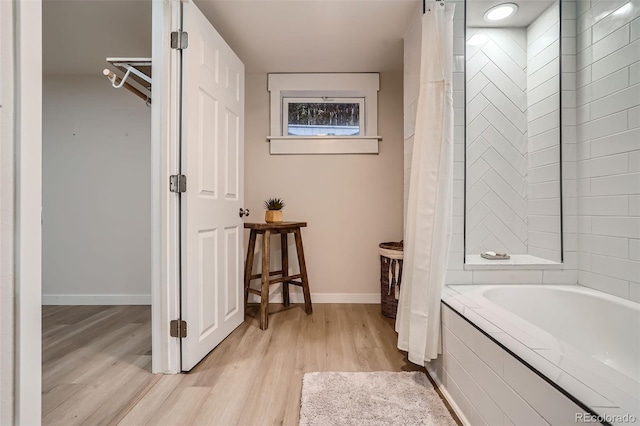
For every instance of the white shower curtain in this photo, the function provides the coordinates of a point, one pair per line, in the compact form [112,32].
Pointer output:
[429,211]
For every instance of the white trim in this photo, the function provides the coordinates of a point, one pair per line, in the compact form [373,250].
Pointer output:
[356,85]
[96,299]
[447,395]
[7,218]
[28,204]
[296,297]
[165,282]
[324,145]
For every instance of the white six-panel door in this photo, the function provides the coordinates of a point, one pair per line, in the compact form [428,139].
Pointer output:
[213,161]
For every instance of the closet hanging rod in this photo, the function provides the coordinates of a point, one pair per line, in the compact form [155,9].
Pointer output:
[118,82]
[138,68]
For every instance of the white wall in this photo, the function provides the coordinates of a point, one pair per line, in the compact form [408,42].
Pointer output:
[456,274]
[513,134]
[608,151]
[96,193]
[543,135]
[497,202]
[351,202]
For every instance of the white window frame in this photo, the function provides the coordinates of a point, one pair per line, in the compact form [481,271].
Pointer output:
[327,85]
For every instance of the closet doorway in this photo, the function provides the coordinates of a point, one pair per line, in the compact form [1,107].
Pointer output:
[118,218]
[96,212]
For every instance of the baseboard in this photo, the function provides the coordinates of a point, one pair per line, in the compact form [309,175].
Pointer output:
[144,299]
[96,299]
[443,390]
[297,297]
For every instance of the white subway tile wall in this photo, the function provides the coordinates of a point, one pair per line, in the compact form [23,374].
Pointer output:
[513,156]
[496,141]
[608,143]
[541,144]
[489,386]
[543,82]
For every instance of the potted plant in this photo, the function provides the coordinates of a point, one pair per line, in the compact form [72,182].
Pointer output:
[274,208]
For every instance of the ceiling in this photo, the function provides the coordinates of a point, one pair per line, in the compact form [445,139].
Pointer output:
[268,35]
[528,11]
[312,35]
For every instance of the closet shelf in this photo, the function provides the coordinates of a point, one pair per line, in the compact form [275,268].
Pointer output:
[136,76]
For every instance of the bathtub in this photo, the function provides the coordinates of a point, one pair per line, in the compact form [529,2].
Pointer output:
[539,354]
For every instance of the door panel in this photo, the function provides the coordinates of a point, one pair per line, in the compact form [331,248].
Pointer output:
[212,160]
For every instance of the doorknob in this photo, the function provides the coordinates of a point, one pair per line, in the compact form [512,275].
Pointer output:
[243,212]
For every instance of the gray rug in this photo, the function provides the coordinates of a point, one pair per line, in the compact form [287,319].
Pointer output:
[378,398]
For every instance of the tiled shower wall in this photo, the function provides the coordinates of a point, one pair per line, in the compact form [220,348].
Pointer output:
[456,274]
[543,135]
[497,165]
[513,133]
[608,148]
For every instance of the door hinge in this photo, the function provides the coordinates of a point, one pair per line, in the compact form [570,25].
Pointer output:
[178,328]
[179,40]
[178,183]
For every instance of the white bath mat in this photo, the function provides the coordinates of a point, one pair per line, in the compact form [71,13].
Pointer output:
[377,398]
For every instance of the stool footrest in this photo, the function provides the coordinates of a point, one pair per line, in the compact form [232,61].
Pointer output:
[287,279]
[298,283]
[256,292]
[258,276]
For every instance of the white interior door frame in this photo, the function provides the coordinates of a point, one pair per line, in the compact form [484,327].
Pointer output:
[23,348]
[25,121]
[7,219]
[165,206]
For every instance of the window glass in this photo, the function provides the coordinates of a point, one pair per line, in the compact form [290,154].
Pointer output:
[323,117]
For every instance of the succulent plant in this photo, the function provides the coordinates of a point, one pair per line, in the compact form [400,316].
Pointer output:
[274,204]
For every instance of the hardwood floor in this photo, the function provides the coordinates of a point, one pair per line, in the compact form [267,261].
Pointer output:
[96,365]
[95,360]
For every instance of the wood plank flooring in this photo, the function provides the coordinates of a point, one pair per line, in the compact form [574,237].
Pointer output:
[97,363]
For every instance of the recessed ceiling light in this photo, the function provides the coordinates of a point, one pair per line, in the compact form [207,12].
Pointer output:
[477,40]
[500,12]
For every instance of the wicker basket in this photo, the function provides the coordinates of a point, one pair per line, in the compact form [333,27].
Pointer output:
[390,277]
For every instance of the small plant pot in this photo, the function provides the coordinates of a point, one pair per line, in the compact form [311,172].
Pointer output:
[273,216]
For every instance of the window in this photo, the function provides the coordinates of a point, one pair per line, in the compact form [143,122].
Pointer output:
[324,113]
[322,116]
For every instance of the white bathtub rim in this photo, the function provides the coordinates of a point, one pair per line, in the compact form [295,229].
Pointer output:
[529,334]
[475,288]
[583,388]
[536,338]
[541,367]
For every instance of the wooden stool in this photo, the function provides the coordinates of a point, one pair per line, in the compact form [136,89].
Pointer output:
[267,229]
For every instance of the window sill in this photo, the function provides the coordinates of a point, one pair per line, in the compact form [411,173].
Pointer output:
[517,262]
[324,145]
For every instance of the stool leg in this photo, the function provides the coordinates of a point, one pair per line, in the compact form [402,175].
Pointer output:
[248,266]
[303,271]
[285,267]
[264,290]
